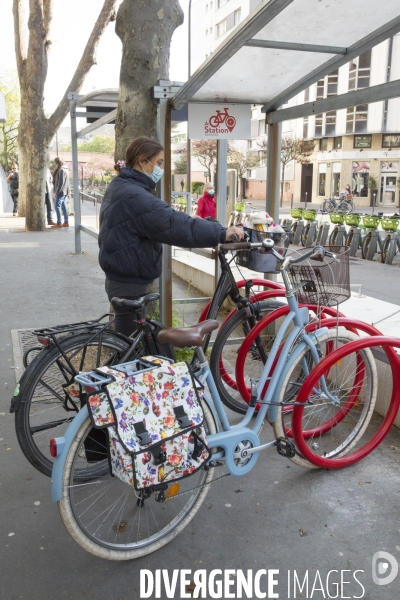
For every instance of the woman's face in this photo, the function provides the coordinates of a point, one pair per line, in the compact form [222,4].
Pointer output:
[148,165]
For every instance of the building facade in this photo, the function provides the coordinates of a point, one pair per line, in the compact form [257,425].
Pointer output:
[359,146]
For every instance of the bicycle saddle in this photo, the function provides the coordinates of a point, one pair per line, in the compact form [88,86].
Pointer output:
[134,305]
[187,336]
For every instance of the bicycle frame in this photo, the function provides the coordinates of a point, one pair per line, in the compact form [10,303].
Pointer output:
[233,439]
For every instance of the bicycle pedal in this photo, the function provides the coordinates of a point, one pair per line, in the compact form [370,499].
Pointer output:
[285,447]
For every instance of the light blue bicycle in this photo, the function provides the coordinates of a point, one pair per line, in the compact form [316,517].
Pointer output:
[110,519]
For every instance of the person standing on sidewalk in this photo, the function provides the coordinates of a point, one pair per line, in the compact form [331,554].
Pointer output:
[48,197]
[206,204]
[13,180]
[61,192]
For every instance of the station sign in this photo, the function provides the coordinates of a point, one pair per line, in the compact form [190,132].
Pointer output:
[220,121]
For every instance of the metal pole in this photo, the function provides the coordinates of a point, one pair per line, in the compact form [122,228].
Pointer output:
[164,190]
[305,205]
[189,144]
[97,220]
[222,166]
[75,175]
[273,170]
[373,204]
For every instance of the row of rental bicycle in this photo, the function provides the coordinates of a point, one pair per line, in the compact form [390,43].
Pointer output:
[132,437]
[366,235]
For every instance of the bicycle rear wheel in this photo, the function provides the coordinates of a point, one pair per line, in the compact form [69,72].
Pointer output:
[107,518]
[365,244]
[333,236]
[342,449]
[331,428]
[45,408]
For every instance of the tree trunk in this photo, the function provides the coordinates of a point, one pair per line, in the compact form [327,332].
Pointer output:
[145,28]
[32,43]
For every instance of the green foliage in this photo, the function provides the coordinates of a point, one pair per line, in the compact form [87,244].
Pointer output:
[9,87]
[100,143]
[197,187]
[372,183]
[181,165]
[241,161]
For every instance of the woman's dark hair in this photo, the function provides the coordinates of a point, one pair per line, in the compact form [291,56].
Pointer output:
[141,148]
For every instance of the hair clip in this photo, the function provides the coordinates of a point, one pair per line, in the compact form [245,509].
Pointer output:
[121,163]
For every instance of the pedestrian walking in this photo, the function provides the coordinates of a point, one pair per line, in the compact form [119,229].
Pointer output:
[206,205]
[13,180]
[61,192]
[182,184]
[134,224]
[48,197]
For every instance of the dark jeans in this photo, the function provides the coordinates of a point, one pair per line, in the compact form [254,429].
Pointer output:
[130,291]
[49,209]
[15,196]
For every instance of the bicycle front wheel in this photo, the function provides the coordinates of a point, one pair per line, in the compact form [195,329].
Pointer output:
[46,408]
[225,352]
[365,244]
[330,427]
[106,517]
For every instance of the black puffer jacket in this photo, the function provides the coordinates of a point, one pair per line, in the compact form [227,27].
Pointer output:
[134,224]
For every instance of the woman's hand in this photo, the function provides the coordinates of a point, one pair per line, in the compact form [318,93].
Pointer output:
[234,231]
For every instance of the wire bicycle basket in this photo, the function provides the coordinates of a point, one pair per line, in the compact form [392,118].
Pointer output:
[324,283]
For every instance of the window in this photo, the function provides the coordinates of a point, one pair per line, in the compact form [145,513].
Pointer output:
[237,15]
[211,30]
[330,123]
[211,5]
[318,125]
[359,72]
[321,179]
[206,32]
[332,83]
[360,178]
[287,186]
[305,128]
[323,144]
[320,89]
[335,191]
[362,141]
[206,7]
[261,156]
[262,127]
[220,28]
[307,94]
[337,143]
[391,140]
[221,3]
[357,119]
[254,113]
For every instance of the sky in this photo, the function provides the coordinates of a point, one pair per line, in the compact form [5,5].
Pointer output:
[72,23]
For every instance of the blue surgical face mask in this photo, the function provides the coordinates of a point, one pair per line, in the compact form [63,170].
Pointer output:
[156,174]
[211,192]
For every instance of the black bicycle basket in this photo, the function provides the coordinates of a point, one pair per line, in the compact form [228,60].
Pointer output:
[324,283]
[261,260]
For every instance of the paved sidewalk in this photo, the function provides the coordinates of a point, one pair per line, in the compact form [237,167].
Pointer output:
[279,517]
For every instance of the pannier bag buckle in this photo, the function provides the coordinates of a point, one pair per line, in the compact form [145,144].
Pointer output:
[159,457]
[142,434]
[182,417]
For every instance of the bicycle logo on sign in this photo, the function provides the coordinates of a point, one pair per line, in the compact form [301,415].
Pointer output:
[213,125]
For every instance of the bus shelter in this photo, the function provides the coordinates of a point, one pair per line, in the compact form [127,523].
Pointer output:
[279,50]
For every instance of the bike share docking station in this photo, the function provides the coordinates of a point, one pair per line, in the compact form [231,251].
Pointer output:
[355,241]
[391,252]
[323,233]
[372,246]
[298,233]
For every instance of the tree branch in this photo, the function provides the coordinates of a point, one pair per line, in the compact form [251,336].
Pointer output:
[20,34]
[88,59]
[47,17]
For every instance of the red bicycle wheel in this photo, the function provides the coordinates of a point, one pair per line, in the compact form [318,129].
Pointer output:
[342,449]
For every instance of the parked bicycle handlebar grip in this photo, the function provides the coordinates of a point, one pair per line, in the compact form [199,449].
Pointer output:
[235,246]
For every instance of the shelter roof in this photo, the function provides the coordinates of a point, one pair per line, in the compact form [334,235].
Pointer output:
[284,46]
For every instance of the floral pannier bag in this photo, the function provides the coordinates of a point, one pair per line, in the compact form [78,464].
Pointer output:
[154,419]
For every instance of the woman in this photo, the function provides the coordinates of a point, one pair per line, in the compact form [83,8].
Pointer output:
[134,224]
[206,204]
